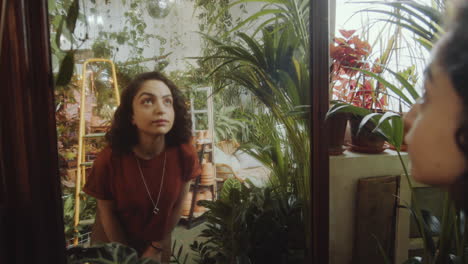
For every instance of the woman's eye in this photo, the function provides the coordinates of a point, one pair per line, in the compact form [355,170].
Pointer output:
[147,101]
[168,101]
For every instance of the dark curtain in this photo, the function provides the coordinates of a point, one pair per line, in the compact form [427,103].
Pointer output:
[31,222]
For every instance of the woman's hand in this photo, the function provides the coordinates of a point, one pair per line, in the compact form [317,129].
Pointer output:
[152,253]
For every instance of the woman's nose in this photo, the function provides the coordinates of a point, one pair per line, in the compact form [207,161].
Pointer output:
[159,107]
[409,118]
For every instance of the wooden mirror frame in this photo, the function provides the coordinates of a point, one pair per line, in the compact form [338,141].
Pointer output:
[31,215]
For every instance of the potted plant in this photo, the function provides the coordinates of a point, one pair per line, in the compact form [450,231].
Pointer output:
[350,85]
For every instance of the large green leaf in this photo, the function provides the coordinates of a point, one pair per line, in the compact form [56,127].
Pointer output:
[228,187]
[407,85]
[58,34]
[347,108]
[387,84]
[72,15]
[66,69]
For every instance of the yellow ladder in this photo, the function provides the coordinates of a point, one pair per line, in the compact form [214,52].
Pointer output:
[81,162]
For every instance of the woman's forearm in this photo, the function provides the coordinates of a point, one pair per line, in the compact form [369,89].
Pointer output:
[111,223]
[177,212]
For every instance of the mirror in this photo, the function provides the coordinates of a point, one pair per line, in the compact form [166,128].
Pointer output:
[244,72]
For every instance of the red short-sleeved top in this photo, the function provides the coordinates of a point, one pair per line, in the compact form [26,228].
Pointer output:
[117,177]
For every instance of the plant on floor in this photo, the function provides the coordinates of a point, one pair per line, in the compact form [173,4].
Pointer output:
[251,225]
[87,209]
[105,254]
[273,65]
[177,254]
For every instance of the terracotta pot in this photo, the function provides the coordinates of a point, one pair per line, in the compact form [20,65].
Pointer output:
[187,203]
[208,196]
[207,177]
[207,168]
[208,134]
[71,164]
[336,127]
[207,180]
[200,134]
[365,141]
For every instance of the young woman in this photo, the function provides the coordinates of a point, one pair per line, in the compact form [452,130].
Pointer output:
[140,180]
[438,135]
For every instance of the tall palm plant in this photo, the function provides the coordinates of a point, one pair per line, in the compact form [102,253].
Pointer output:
[424,21]
[273,64]
[279,80]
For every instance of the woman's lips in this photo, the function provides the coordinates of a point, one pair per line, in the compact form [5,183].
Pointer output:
[160,122]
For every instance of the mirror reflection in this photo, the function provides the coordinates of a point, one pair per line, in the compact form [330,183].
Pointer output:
[183,129]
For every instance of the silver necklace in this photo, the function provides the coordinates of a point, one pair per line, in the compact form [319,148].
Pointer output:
[155,205]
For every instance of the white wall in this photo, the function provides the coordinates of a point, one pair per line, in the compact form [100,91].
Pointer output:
[180,29]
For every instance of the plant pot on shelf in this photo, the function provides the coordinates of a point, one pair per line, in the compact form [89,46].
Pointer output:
[336,127]
[365,141]
[71,163]
[207,176]
[187,204]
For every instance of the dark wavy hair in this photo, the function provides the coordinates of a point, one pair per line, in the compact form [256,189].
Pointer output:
[453,57]
[123,135]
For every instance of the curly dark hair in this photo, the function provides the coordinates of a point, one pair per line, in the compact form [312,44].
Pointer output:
[453,57]
[123,135]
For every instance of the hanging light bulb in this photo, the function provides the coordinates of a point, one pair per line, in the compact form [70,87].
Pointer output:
[99,20]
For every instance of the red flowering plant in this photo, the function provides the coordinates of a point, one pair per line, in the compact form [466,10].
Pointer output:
[349,82]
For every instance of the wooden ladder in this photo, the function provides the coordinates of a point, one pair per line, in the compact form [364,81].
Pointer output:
[82,164]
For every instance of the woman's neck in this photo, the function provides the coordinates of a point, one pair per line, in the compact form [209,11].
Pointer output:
[149,146]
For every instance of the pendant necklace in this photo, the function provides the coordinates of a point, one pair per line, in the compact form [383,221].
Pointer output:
[155,205]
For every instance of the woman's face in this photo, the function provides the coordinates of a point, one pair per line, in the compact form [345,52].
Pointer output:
[433,121]
[153,110]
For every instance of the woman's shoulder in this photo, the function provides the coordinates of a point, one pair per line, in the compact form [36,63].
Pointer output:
[106,156]
[105,153]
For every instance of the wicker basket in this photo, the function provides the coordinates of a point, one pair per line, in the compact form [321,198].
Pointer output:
[228,146]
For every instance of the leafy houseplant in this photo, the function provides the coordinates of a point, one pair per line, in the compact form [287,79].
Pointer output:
[251,225]
[273,65]
[350,85]
[105,254]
